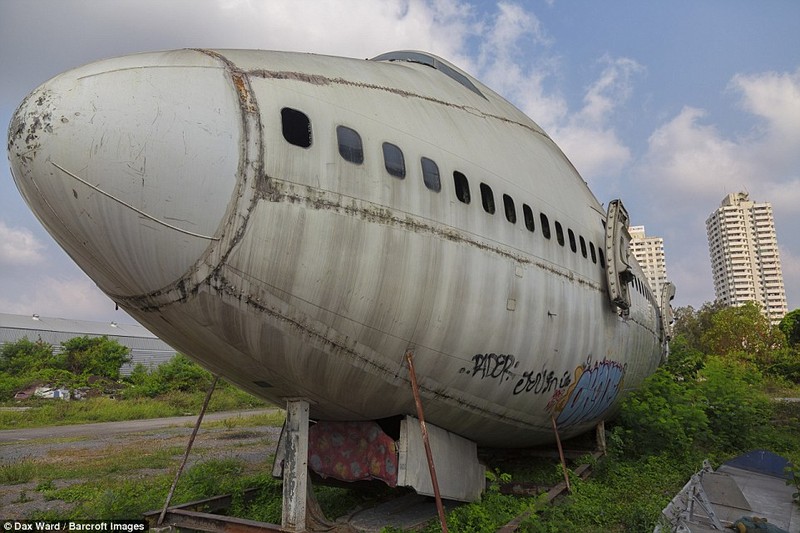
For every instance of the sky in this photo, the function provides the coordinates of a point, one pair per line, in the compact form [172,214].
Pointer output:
[668,105]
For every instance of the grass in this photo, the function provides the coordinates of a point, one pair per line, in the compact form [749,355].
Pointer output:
[18,472]
[624,494]
[122,481]
[133,475]
[110,497]
[52,412]
[269,419]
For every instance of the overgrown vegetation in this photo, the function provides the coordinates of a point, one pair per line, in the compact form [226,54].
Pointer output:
[713,399]
[90,368]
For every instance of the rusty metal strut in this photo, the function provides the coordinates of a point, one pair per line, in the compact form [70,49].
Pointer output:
[424,430]
[561,454]
[188,449]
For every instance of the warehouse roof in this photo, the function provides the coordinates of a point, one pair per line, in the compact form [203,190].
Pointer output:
[145,347]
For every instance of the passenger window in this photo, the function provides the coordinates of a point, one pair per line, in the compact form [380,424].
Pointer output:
[487,198]
[296,127]
[583,246]
[591,250]
[511,212]
[430,174]
[572,245]
[528,215]
[462,187]
[602,257]
[350,147]
[394,161]
[545,225]
[559,233]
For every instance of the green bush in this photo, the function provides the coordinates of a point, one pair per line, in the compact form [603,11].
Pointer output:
[95,356]
[492,512]
[786,365]
[684,360]
[24,356]
[662,415]
[24,363]
[179,374]
[736,408]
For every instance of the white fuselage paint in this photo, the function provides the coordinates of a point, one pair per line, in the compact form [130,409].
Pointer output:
[295,273]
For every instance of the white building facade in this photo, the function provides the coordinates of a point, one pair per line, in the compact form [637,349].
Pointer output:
[745,263]
[649,252]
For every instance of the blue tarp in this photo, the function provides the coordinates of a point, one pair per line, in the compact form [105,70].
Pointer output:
[763,462]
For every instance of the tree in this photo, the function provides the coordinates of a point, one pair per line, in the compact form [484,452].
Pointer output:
[744,333]
[790,326]
[692,324]
[95,356]
[25,356]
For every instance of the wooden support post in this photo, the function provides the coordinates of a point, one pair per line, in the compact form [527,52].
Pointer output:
[601,436]
[561,453]
[425,441]
[295,468]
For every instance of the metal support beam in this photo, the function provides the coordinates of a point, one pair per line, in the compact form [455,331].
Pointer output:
[561,454]
[295,468]
[425,440]
[188,450]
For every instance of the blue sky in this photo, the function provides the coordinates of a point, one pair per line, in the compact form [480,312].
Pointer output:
[668,105]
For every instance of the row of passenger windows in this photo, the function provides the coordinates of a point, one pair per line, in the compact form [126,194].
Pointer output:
[297,131]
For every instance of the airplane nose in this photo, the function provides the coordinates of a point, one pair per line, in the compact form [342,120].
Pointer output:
[131,163]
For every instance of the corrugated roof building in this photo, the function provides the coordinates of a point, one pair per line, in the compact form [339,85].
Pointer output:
[145,347]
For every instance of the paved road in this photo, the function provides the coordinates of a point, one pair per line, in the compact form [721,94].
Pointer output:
[113,428]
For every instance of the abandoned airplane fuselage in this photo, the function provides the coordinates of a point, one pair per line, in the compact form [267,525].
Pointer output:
[297,222]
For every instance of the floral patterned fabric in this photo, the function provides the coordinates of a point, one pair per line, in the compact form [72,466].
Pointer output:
[352,451]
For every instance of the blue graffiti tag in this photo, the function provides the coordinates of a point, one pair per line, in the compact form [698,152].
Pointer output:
[594,391]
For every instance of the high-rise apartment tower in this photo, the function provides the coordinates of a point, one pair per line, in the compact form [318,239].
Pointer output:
[649,252]
[745,263]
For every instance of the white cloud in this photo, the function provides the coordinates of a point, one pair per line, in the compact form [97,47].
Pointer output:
[774,96]
[687,157]
[587,135]
[355,28]
[514,60]
[690,165]
[18,246]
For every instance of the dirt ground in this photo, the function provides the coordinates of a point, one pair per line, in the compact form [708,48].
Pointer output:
[51,446]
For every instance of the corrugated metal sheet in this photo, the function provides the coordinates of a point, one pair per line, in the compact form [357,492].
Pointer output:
[145,347]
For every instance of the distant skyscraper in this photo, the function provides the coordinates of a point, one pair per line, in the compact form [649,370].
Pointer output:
[744,255]
[649,252]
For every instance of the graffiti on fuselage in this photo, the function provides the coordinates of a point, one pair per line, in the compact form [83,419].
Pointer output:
[492,366]
[501,367]
[593,391]
[541,382]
